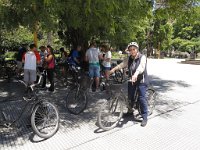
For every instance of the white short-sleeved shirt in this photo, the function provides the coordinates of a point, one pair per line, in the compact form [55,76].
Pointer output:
[30,61]
[107,55]
[93,55]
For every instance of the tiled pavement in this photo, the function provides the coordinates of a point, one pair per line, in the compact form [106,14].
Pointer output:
[174,125]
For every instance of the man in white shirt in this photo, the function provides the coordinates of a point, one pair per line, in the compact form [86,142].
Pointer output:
[30,60]
[93,55]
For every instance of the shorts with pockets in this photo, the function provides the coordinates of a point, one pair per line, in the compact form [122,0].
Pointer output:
[94,71]
[29,75]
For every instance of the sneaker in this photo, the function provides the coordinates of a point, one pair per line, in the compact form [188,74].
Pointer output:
[144,123]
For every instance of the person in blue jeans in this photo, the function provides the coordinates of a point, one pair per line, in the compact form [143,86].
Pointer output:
[137,66]
[93,55]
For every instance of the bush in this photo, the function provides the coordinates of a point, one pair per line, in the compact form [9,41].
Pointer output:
[10,55]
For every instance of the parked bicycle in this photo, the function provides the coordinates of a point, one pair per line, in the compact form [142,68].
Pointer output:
[111,112]
[76,100]
[8,69]
[44,115]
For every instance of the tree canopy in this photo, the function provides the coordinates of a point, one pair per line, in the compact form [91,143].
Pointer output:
[170,23]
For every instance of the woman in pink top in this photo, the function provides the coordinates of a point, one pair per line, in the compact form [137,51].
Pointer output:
[50,60]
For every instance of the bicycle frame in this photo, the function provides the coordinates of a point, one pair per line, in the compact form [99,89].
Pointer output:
[128,103]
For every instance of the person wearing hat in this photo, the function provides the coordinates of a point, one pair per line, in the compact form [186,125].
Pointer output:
[137,68]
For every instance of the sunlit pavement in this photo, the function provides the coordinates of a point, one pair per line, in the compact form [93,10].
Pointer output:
[174,124]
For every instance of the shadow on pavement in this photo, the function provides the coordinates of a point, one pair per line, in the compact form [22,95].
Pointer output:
[161,85]
[11,93]
[164,103]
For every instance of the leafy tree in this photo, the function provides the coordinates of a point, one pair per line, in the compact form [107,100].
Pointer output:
[186,32]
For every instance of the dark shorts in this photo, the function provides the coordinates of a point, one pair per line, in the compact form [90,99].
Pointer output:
[106,68]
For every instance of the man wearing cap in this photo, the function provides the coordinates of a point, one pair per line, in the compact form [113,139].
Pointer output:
[137,66]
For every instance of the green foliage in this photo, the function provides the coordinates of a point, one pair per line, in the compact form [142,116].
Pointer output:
[10,55]
[115,21]
[186,36]
[16,37]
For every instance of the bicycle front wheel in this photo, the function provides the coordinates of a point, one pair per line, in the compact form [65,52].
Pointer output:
[76,101]
[110,113]
[45,120]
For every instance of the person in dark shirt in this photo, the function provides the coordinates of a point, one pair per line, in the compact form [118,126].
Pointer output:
[75,56]
[20,54]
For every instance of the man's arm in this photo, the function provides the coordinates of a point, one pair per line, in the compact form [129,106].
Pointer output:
[140,68]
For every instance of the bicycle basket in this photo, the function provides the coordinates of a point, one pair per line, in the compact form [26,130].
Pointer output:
[115,87]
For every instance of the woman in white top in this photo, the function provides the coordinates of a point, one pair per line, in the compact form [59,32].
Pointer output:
[106,60]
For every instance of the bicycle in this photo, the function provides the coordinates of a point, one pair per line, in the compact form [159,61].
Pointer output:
[44,115]
[76,99]
[111,112]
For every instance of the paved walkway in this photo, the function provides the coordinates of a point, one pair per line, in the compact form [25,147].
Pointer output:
[174,124]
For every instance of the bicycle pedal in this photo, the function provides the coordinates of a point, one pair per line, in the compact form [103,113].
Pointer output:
[7,125]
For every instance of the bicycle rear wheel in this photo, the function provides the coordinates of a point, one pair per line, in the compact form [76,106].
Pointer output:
[76,101]
[150,95]
[45,120]
[110,113]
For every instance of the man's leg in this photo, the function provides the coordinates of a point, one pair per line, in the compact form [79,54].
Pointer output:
[33,76]
[97,82]
[91,74]
[97,75]
[26,76]
[143,103]
[131,95]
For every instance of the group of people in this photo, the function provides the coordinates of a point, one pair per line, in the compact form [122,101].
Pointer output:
[33,59]
[136,64]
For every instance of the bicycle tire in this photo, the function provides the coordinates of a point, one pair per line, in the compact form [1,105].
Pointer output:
[114,108]
[76,101]
[41,116]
